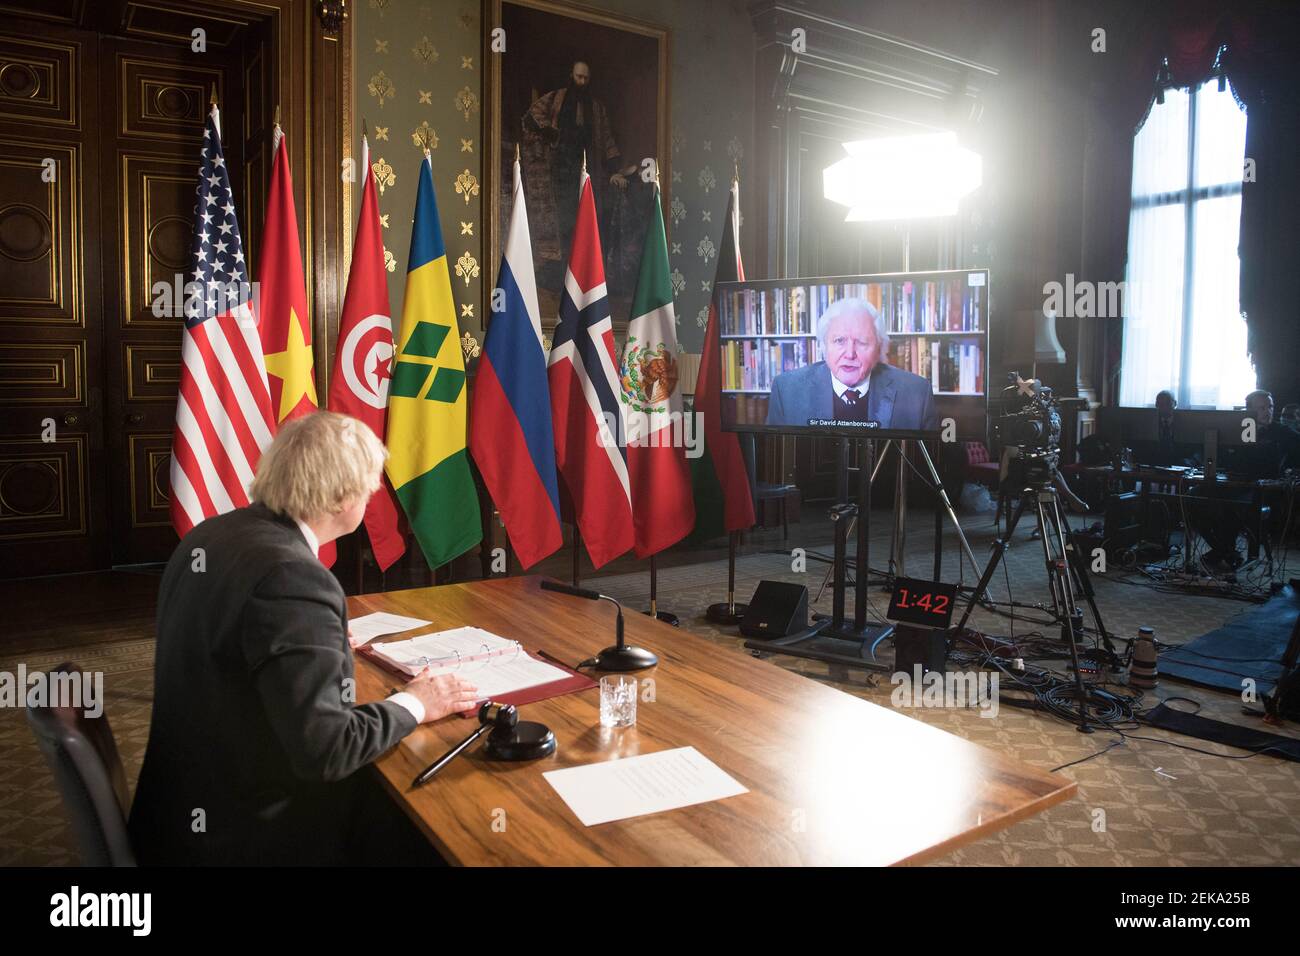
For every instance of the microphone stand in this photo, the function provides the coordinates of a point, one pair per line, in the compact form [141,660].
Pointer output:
[619,657]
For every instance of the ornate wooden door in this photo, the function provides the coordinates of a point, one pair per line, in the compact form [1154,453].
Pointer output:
[52,456]
[161,96]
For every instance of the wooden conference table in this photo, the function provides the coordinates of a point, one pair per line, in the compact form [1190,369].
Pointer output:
[832,779]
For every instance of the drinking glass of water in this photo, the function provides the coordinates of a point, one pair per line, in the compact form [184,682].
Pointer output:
[618,701]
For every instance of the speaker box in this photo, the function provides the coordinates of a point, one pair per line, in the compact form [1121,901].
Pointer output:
[919,645]
[777,609]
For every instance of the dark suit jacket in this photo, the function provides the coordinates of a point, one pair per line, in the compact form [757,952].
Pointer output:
[895,398]
[252,719]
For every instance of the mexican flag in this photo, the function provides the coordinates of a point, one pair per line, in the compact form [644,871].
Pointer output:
[662,507]
[723,501]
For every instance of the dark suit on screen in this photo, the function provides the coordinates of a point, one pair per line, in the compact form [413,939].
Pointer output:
[895,398]
[252,719]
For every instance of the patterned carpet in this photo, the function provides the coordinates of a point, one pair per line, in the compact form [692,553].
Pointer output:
[1142,803]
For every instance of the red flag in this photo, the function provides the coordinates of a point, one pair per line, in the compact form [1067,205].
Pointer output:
[723,501]
[363,365]
[285,326]
[586,413]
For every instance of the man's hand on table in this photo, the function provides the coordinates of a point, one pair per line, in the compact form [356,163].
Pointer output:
[442,694]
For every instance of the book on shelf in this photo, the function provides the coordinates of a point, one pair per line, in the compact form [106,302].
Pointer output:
[937,306]
[950,366]
[751,364]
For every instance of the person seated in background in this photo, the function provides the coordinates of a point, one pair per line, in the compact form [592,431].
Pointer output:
[256,740]
[1275,448]
[1162,451]
[853,383]
[1166,404]
[1290,416]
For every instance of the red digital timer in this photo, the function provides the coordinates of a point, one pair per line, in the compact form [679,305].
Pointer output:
[927,603]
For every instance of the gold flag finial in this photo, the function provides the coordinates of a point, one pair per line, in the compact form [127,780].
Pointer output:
[277,114]
[516,152]
[365,130]
[584,160]
[213,101]
[735,176]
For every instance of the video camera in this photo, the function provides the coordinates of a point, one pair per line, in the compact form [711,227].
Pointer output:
[1032,432]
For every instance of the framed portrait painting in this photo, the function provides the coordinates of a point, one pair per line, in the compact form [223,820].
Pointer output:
[575,85]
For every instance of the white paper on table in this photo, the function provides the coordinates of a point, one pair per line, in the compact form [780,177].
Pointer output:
[499,676]
[364,629]
[635,786]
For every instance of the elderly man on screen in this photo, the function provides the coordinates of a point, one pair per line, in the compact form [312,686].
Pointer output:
[853,383]
[256,741]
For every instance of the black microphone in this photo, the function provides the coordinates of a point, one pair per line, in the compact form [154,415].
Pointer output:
[620,657]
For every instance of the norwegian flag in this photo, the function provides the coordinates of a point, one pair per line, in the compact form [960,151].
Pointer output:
[586,413]
[223,410]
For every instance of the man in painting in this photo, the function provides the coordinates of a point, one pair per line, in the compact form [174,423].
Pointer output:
[558,130]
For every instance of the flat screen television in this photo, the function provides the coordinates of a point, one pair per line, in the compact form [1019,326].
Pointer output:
[865,356]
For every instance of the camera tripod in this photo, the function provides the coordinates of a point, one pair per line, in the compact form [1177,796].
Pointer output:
[1067,576]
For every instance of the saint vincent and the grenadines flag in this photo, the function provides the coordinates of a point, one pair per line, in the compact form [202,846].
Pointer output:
[662,507]
[723,501]
[427,463]
[511,437]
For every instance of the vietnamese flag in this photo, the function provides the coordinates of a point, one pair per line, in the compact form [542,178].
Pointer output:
[285,325]
[284,322]
[363,364]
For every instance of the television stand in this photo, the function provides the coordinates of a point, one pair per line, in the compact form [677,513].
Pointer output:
[835,639]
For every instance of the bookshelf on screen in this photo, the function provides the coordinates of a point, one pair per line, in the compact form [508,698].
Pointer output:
[938,330]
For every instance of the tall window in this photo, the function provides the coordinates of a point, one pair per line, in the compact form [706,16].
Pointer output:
[1183,328]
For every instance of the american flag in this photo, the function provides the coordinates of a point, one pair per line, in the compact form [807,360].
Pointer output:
[223,412]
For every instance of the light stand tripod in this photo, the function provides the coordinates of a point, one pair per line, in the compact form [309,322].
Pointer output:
[1066,576]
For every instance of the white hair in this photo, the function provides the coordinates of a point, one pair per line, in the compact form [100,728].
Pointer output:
[847,307]
[317,465]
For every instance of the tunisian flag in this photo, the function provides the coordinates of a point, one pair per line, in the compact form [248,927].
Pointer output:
[723,501]
[285,325]
[363,365]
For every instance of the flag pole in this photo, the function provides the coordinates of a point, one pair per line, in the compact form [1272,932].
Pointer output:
[729,613]
[577,549]
[666,616]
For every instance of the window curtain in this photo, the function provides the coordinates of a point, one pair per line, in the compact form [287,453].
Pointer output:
[1153,306]
[1264,73]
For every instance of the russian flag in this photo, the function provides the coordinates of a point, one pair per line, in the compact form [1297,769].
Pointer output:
[510,434]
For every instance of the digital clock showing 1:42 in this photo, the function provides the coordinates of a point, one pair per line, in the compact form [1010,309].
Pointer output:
[927,603]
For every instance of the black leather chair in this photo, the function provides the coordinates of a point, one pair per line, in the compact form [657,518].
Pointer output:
[81,752]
